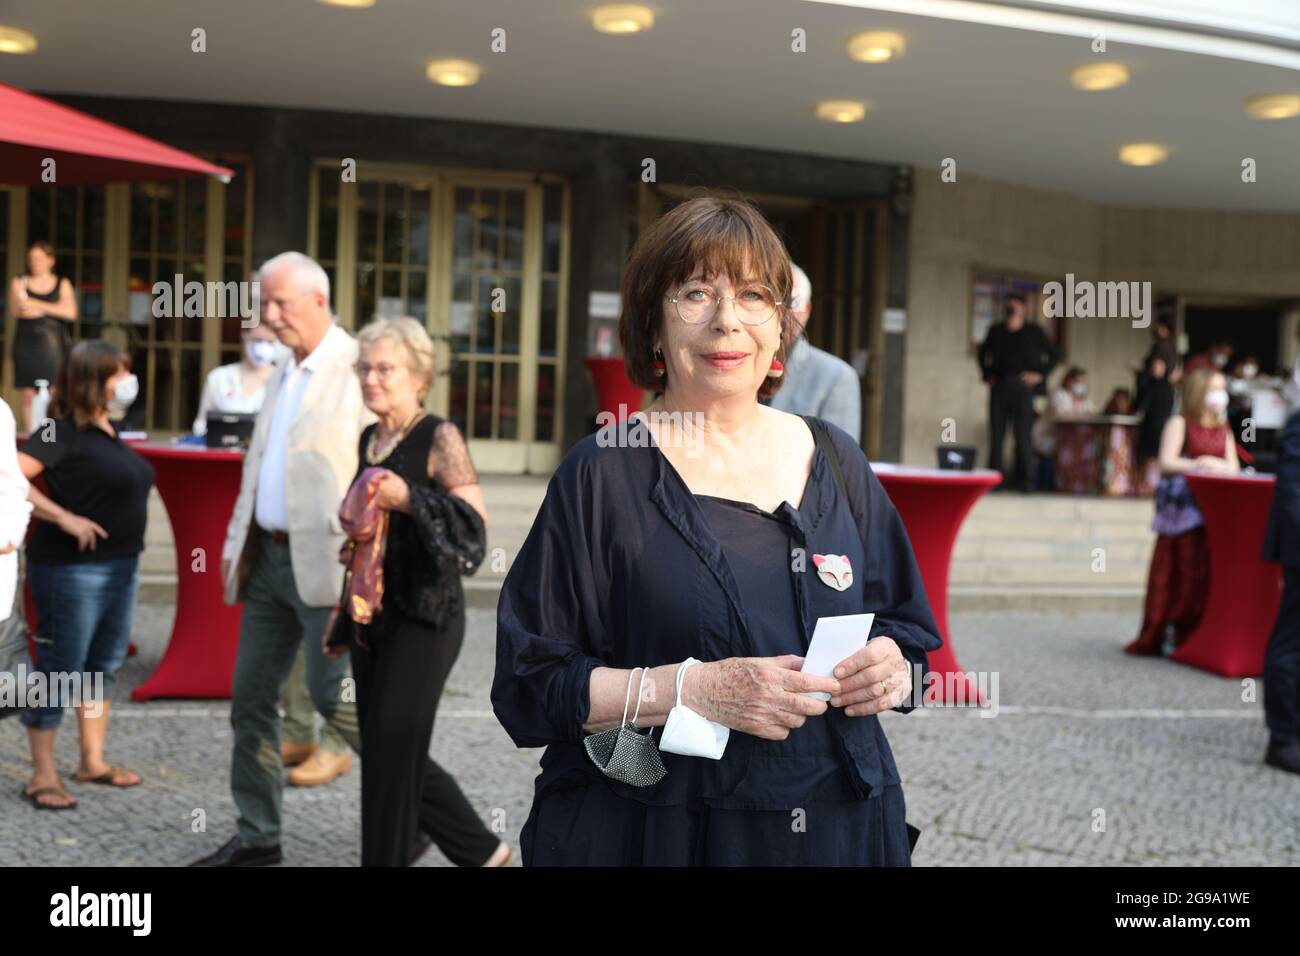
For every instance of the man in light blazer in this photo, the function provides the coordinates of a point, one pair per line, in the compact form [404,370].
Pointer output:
[1282,658]
[281,552]
[817,382]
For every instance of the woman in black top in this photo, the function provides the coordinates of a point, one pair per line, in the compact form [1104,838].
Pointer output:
[46,308]
[697,547]
[436,533]
[82,557]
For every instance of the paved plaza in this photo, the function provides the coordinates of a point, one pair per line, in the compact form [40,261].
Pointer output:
[1094,758]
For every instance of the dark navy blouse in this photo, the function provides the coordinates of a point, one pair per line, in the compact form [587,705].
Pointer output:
[625,567]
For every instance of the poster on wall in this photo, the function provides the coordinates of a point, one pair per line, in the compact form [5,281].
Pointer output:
[986,306]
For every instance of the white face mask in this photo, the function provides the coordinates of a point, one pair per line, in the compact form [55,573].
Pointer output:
[1219,359]
[1217,402]
[689,733]
[260,352]
[1080,390]
[125,393]
[1248,371]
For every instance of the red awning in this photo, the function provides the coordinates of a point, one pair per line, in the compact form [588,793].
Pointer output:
[85,150]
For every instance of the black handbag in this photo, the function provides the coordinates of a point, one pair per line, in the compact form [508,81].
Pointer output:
[341,631]
[14,655]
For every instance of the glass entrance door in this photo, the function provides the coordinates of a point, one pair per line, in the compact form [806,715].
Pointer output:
[481,260]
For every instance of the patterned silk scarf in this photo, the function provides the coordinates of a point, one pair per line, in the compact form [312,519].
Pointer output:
[366,525]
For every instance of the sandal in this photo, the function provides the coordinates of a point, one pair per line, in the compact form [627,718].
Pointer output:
[107,778]
[34,798]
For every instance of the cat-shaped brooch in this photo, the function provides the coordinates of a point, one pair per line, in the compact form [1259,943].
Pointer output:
[834,570]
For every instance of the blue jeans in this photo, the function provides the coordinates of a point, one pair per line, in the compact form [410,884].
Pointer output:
[83,626]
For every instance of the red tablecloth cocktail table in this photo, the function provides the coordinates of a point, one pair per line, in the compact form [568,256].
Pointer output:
[198,488]
[933,503]
[1245,592]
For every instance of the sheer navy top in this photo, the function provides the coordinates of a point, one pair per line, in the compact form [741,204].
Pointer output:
[625,567]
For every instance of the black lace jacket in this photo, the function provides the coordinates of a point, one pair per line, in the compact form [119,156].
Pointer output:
[442,538]
[454,540]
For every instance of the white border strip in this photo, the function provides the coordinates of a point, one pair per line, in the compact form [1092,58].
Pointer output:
[1041,21]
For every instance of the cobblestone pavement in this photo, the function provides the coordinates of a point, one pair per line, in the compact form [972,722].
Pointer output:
[1093,758]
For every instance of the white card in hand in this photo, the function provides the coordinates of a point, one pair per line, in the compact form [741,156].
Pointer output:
[835,638]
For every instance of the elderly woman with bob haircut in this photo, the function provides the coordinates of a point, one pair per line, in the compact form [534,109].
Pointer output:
[682,571]
[414,467]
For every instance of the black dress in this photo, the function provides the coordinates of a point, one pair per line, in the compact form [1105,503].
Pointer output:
[407,652]
[39,344]
[625,567]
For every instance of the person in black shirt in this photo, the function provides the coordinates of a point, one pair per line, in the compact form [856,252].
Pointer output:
[82,557]
[1155,403]
[1015,358]
[45,306]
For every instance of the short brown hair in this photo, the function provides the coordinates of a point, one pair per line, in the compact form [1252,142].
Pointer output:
[81,385]
[45,247]
[724,236]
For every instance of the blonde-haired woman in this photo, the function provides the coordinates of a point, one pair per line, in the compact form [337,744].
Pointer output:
[1199,439]
[437,521]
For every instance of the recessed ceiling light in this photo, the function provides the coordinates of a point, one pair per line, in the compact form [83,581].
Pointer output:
[879,46]
[841,111]
[1274,106]
[14,40]
[622,18]
[1099,76]
[348,3]
[1143,154]
[452,72]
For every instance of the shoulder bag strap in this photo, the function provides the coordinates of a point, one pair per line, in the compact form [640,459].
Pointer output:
[823,438]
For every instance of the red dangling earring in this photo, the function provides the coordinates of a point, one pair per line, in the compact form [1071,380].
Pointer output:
[777,369]
[658,363]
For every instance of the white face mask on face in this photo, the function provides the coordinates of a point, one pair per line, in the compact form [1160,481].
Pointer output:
[1080,389]
[1217,402]
[125,393]
[260,352]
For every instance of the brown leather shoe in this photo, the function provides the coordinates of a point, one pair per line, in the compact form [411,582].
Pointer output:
[294,754]
[320,768]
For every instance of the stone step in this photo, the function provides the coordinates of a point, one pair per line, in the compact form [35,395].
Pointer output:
[1055,600]
[1014,551]
[1058,529]
[1087,507]
[1045,573]
[970,549]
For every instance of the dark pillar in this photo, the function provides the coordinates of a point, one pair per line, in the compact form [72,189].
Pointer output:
[898,229]
[596,264]
[280,166]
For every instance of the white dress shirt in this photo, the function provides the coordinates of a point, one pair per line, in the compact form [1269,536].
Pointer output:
[15,510]
[271,509]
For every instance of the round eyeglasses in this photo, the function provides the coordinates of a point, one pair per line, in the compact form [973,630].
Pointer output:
[697,303]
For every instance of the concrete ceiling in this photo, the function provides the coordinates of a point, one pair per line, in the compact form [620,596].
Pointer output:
[997,99]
